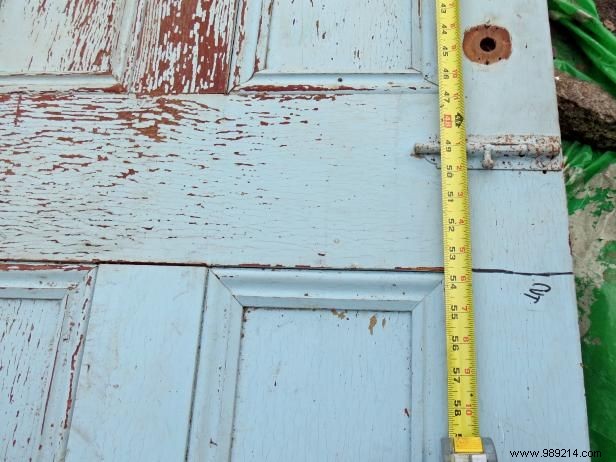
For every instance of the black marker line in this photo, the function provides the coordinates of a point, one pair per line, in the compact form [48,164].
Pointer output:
[518,273]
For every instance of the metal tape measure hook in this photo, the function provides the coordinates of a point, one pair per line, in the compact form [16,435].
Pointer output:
[488,453]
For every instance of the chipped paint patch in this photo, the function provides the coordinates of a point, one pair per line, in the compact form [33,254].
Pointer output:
[64,36]
[373,322]
[339,314]
[487,44]
[183,47]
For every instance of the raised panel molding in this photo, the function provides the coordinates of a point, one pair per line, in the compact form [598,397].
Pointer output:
[44,313]
[312,300]
[341,45]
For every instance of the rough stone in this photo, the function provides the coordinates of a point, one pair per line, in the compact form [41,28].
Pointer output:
[587,112]
[607,12]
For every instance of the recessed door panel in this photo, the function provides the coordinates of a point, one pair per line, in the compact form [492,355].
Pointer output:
[323,385]
[333,45]
[305,365]
[324,36]
[58,37]
[43,318]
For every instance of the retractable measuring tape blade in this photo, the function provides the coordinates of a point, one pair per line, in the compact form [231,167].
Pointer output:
[462,397]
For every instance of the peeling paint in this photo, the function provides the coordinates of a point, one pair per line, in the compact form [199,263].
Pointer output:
[339,314]
[59,37]
[487,44]
[43,267]
[184,47]
[373,322]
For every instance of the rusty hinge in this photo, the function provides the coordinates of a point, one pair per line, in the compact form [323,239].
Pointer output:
[507,152]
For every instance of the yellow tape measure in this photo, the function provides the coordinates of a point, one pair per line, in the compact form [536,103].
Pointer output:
[462,398]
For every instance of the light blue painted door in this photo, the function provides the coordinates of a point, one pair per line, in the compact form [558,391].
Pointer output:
[243,246]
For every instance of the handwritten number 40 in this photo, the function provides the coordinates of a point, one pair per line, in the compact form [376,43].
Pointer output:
[537,291]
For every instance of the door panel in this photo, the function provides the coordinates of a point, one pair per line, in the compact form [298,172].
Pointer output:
[64,44]
[43,313]
[307,365]
[142,46]
[321,385]
[316,45]
[323,37]
[62,37]
[136,383]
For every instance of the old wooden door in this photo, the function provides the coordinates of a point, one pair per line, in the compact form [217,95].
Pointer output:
[220,244]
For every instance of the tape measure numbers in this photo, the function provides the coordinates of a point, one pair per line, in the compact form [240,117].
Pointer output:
[462,398]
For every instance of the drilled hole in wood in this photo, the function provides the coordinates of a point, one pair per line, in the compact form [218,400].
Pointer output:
[487,44]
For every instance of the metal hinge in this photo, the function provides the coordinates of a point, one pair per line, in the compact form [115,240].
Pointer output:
[507,152]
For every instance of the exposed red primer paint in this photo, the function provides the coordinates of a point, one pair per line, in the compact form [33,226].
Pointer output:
[76,352]
[98,61]
[290,97]
[81,265]
[49,96]
[43,267]
[73,156]
[18,110]
[87,24]
[319,88]
[129,172]
[256,67]
[41,7]
[117,88]
[473,39]
[188,50]
[74,358]
[170,114]
[259,265]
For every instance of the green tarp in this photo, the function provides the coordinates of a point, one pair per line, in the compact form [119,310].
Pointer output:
[586,49]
